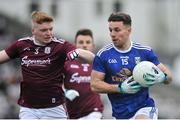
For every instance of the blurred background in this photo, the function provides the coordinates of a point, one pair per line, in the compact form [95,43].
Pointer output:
[154,22]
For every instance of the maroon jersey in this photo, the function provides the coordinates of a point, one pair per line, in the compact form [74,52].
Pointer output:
[77,77]
[42,66]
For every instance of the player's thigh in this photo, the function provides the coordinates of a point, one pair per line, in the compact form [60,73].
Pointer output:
[92,116]
[146,113]
[58,112]
[27,113]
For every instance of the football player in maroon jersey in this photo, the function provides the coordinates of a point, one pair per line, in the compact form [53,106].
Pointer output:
[82,103]
[42,59]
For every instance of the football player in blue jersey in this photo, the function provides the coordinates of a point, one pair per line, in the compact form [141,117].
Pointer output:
[112,72]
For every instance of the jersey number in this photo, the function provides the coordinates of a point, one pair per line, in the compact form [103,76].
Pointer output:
[124,61]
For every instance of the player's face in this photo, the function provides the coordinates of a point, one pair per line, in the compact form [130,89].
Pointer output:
[85,42]
[43,32]
[119,34]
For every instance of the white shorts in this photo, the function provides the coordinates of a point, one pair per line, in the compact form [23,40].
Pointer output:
[92,116]
[58,112]
[151,112]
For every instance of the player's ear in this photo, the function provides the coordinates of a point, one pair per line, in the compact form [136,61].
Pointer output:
[32,30]
[129,29]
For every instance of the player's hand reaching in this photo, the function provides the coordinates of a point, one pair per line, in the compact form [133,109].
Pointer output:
[72,55]
[71,94]
[129,86]
[155,76]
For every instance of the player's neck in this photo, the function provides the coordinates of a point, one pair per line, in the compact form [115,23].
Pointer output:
[125,46]
[37,42]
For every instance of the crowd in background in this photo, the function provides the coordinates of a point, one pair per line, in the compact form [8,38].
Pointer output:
[9,90]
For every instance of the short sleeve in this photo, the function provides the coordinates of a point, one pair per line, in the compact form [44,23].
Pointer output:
[69,47]
[12,50]
[151,55]
[98,64]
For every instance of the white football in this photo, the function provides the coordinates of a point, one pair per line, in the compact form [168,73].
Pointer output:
[141,69]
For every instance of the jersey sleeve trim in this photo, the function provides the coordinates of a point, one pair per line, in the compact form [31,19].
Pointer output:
[107,47]
[59,40]
[139,46]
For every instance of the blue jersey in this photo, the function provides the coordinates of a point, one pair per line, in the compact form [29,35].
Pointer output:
[118,66]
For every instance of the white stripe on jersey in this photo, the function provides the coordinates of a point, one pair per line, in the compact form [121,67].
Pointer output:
[140,46]
[58,40]
[62,41]
[134,45]
[107,47]
[26,38]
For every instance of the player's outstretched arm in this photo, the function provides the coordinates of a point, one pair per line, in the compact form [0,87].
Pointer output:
[3,56]
[85,55]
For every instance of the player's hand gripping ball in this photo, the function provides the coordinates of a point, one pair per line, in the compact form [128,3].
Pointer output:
[147,74]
